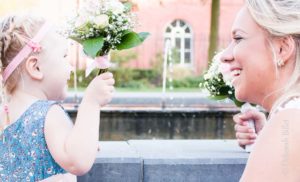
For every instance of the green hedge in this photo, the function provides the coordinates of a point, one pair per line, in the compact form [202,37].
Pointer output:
[136,78]
[188,82]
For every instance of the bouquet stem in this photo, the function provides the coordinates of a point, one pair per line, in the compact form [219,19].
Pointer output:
[102,71]
[246,107]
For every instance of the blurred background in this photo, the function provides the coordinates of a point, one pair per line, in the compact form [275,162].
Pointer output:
[196,28]
[143,107]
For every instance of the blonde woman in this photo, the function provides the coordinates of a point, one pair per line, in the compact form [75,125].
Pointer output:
[264,59]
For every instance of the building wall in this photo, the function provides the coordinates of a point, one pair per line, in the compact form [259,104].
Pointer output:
[155,15]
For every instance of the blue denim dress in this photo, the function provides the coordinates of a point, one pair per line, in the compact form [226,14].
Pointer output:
[24,155]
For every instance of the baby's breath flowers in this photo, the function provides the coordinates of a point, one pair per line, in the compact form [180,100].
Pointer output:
[217,81]
[104,25]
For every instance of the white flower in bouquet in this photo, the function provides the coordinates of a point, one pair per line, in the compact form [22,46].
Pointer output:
[217,80]
[101,21]
[81,21]
[213,70]
[115,6]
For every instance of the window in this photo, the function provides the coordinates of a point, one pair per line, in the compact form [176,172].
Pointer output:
[180,35]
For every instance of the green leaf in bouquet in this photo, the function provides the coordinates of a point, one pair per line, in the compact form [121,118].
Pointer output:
[125,32]
[224,90]
[218,97]
[131,39]
[143,35]
[76,39]
[92,46]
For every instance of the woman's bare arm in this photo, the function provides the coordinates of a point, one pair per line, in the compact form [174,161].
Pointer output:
[276,154]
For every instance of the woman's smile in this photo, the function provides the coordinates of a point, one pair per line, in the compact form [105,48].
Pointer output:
[235,74]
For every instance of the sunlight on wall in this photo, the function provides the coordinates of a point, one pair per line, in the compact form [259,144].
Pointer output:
[57,11]
[54,10]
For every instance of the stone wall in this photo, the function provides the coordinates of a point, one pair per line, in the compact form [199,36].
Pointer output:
[168,160]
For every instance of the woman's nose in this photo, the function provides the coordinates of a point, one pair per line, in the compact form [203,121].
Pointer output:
[227,55]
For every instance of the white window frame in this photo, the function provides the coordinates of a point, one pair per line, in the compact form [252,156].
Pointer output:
[178,31]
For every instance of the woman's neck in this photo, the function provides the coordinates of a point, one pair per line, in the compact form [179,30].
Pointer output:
[269,100]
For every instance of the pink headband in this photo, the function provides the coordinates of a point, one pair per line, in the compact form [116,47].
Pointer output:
[31,46]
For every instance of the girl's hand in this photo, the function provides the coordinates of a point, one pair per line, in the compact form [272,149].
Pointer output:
[244,134]
[100,89]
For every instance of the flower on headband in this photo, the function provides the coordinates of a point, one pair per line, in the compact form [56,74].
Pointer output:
[36,47]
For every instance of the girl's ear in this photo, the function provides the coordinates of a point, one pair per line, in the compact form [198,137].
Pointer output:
[33,69]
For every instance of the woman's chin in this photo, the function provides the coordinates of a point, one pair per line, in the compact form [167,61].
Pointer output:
[240,96]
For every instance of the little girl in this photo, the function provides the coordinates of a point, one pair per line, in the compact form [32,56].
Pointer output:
[37,138]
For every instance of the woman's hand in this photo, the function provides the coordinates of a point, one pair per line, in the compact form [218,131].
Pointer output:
[244,134]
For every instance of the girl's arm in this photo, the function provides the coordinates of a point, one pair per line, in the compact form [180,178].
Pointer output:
[61,178]
[276,154]
[74,147]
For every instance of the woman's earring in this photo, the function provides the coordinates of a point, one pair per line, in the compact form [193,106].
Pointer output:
[280,63]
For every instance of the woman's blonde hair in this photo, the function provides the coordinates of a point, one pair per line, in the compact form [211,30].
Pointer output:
[15,31]
[280,18]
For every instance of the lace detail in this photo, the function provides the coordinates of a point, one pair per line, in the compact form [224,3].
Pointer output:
[24,155]
[293,103]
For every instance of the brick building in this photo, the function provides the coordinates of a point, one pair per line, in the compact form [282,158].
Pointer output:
[186,23]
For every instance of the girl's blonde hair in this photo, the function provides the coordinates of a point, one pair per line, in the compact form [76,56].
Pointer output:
[280,19]
[15,31]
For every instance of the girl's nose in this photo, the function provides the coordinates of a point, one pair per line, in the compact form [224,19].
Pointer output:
[227,55]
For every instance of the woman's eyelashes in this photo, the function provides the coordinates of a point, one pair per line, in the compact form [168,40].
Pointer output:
[237,39]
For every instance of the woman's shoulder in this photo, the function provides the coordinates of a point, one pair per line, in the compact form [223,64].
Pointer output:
[292,103]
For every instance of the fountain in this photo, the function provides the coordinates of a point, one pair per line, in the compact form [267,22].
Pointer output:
[167,56]
[167,67]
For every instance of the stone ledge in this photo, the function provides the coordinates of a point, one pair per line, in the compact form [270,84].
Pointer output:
[168,160]
[115,162]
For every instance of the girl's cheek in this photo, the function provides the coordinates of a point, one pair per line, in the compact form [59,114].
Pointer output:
[69,68]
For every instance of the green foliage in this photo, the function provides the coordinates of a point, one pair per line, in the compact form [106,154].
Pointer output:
[136,79]
[132,39]
[123,57]
[124,77]
[218,89]
[133,78]
[82,81]
[188,82]
[93,46]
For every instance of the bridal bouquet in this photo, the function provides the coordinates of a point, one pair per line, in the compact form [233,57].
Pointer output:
[217,81]
[104,25]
